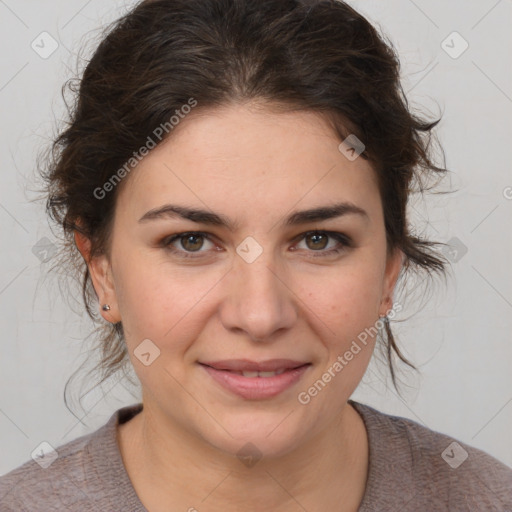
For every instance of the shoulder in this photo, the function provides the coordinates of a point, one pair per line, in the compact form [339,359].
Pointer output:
[433,467]
[46,477]
[68,477]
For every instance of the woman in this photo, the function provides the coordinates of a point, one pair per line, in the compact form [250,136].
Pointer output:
[235,177]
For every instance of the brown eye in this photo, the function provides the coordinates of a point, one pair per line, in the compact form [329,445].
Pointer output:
[325,243]
[318,241]
[191,243]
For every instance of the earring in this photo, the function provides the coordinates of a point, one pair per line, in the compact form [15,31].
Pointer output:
[384,319]
[106,307]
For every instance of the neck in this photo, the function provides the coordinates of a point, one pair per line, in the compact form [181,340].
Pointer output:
[171,469]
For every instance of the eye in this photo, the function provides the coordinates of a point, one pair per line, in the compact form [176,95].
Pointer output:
[192,242]
[317,241]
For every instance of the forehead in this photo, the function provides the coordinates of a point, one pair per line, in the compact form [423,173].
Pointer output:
[247,156]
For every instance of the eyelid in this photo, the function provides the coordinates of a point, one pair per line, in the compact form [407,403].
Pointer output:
[332,234]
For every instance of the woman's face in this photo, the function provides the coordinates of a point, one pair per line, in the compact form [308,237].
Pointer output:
[254,289]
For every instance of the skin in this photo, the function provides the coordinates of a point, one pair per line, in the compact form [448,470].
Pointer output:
[254,166]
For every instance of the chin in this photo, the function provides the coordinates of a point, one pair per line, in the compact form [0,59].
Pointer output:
[254,437]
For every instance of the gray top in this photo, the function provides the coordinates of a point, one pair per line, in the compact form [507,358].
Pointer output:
[411,468]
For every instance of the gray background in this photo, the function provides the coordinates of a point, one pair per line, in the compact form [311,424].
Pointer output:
[458,335]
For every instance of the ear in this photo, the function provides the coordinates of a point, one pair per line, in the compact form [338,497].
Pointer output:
[393,266]
[102,279]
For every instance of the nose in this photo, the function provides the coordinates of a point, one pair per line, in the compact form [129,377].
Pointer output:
[258,302]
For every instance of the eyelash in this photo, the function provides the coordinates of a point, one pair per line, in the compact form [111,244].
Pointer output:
[343,239]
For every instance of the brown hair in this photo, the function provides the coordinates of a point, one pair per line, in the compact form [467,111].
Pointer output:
[319,56]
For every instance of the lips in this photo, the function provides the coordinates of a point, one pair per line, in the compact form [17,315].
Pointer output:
[244,365]
[254,380]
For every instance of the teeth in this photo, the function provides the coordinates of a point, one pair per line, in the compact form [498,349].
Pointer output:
[250,374]
[261,374]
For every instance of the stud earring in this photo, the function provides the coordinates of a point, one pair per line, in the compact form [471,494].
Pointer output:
[106,307]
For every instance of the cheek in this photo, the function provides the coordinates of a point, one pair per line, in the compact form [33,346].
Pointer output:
[346,298]
[160,301]
[346,311]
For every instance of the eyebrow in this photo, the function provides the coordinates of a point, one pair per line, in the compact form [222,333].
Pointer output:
[216,219]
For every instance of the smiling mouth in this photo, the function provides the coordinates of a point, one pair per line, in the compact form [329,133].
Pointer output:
[256,381]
